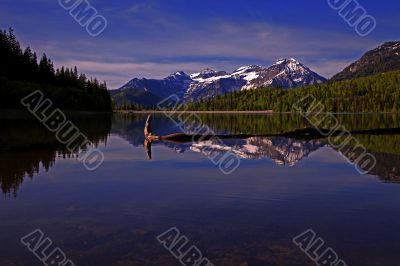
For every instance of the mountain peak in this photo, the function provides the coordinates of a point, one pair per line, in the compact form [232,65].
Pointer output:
[286,61]
[179,75]
[207,71]
[247,68]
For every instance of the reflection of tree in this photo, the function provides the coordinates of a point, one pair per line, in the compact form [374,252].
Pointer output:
[14,166]
[386,151]
[26,144]
[387,167]
[286,151]
[278,123]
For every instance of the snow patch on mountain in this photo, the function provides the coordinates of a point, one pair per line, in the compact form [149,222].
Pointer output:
[208,83]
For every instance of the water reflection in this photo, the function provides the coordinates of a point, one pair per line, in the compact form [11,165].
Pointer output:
[283,151]
[112,216]
[147,146]
[26,145]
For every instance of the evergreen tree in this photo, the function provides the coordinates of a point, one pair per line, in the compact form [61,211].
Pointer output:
[20,74]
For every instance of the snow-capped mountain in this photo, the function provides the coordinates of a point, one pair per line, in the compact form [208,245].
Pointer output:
[285,73]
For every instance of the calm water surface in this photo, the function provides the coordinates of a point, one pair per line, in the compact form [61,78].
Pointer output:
[283,187]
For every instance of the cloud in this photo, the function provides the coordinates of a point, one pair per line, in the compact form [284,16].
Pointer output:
[139,8]
[144,40]
[217,44]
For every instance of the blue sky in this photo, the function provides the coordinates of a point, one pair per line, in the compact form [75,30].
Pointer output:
[153,38]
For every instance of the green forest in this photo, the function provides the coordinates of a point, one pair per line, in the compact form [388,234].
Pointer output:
[21,73]
[377,93]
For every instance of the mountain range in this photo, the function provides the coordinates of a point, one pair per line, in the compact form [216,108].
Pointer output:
[285,73]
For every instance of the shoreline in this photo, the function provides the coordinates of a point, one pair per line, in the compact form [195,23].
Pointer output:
[242,112]
[196,112]
[75,112]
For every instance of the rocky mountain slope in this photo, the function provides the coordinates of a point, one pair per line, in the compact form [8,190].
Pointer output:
[384,58]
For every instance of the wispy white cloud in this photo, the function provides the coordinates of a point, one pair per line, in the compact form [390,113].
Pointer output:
[140,8]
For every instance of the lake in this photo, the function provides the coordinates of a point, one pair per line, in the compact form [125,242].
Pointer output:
[281,188]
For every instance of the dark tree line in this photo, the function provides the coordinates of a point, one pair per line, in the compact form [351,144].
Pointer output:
[132,107]
[21,73]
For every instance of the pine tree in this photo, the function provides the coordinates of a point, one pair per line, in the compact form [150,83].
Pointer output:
[20,73]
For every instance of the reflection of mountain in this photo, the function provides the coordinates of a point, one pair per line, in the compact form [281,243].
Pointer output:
[25,145]
[131,127]
[283,151]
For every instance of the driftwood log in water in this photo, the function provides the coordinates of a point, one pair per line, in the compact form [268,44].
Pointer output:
[303,133]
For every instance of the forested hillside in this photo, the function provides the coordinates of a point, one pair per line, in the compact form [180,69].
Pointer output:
[378,93]
[22,73]
[384,58]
